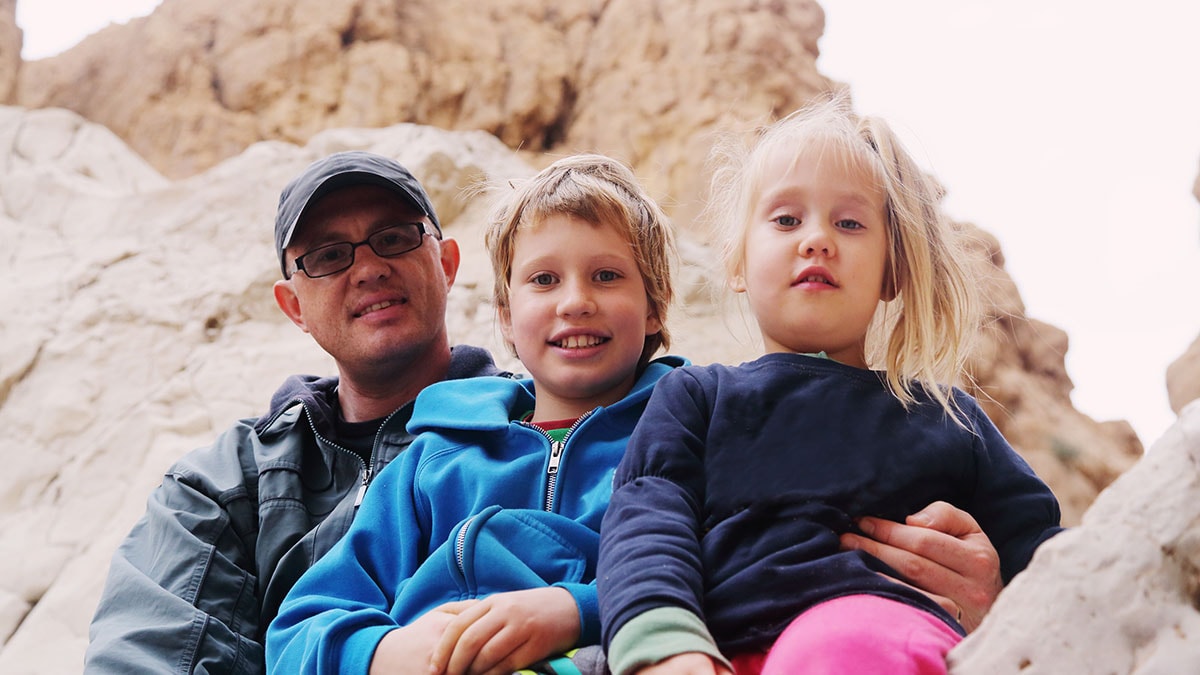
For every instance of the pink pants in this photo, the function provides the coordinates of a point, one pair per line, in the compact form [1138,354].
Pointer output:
[856,634]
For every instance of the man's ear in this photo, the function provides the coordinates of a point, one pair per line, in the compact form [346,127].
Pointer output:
[450,259]
[289,303]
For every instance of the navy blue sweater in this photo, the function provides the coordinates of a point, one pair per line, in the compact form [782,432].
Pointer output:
[738,481]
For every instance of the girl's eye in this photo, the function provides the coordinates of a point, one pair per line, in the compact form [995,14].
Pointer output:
[786,221]
[607,275]
[849,224]
[543,279]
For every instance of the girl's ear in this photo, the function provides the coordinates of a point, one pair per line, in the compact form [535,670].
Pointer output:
[738,283]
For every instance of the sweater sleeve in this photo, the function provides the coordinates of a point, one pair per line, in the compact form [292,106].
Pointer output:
[1012,505]
[650,536]
[334,617]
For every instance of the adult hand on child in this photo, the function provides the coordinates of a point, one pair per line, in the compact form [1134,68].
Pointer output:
[690,663]
[942,552]
[507,631]
[408,650]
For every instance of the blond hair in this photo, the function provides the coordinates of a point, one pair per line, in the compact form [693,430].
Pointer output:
[923,329]
[600,191]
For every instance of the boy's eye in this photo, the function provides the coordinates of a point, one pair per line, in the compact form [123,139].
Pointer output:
[607,275]
[849,224]
[786,221]
[543,279]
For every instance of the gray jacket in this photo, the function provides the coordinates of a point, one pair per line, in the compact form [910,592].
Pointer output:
[233,525]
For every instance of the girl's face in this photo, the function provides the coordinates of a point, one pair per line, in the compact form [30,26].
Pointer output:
[815,254]
[578,314]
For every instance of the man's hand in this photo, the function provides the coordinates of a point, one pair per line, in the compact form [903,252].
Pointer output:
[942,552]
[408,650]
[507,631]
[690,663]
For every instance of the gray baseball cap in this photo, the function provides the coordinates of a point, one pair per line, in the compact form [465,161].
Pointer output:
[340,170]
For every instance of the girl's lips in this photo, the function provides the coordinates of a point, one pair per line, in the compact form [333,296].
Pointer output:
[814,275]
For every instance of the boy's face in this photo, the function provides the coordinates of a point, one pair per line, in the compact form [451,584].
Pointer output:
[578,315]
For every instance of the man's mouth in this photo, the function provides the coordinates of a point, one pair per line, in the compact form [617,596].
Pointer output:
[579,341]
[378,306]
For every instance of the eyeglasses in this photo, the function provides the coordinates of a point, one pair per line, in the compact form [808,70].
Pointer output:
[386,243]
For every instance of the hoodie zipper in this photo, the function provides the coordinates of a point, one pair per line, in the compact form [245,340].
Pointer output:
[556,453]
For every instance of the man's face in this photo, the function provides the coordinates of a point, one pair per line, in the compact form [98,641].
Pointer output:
[380,313]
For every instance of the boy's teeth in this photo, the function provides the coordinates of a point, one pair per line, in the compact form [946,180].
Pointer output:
[577,341]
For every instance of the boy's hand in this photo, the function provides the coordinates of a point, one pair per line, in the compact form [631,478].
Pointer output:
[942,552]
[507,631]
[690,663]
[408,650]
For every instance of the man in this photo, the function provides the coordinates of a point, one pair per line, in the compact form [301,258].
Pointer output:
[366,273]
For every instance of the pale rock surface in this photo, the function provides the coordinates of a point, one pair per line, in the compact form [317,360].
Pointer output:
[1118,594]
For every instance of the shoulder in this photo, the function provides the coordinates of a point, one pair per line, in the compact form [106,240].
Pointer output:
[473,403]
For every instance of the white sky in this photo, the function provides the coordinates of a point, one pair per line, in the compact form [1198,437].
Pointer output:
[1070,129]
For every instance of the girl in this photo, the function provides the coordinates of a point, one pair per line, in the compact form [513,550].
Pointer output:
[720,548]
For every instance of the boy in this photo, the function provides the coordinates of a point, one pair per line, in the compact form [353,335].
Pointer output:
[477,549]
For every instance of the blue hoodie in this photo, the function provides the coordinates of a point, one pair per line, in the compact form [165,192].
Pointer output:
[475,506]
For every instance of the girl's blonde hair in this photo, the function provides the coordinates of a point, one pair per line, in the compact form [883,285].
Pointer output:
[600,191]
[923,331]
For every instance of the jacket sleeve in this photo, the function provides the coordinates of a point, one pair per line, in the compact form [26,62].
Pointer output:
[180,594]
[650,538]
[1012,505]
[334,617]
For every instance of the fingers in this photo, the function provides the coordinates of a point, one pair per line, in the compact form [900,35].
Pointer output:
[945,518]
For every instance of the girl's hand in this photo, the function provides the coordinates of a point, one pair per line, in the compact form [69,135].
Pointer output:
[942,552]
[691,663]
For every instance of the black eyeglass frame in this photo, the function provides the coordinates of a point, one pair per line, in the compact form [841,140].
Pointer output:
[299,266]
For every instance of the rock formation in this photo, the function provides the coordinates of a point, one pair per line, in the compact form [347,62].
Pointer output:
[199,80]
[1118,594]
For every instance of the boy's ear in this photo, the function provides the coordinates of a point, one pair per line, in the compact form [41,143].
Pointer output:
[505,317]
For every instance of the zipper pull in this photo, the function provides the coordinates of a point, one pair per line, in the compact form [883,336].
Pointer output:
[362,489]
[556,448]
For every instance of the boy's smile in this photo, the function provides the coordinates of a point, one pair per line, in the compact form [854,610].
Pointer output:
[578,315]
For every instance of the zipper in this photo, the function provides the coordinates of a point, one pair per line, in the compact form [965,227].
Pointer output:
[368,468]
[460,543]
[556,455]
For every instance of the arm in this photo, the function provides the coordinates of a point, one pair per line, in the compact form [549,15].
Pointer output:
[941,551]
[339,610]
[180,593]
[650,574]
